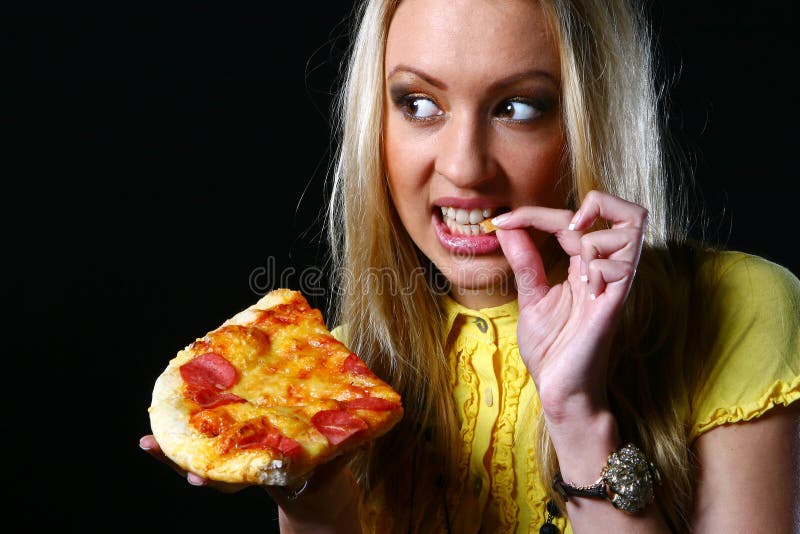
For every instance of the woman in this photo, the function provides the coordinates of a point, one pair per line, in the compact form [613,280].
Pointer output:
[585,323]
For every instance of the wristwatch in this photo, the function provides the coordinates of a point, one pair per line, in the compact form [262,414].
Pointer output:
[627,481]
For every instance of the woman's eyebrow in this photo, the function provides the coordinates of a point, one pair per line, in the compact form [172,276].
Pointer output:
[497,84]
[520,76]
[420,74]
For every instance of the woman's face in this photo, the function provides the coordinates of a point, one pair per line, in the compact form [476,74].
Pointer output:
[472,128]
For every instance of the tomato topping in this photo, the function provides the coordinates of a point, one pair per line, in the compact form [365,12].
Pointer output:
[370,403]
[211,398]
[210,422]
[259,435]
[337,425]
[281,315]
[289,447]
[209,370]
[354,364]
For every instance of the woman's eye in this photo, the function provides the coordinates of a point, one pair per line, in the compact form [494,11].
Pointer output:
[518,110]
[417,107]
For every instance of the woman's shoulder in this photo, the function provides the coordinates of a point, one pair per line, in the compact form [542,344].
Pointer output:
[693,274]
[750,317]
[742,276]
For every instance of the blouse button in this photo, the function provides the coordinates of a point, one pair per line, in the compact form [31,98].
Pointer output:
[488,397]
[481,324]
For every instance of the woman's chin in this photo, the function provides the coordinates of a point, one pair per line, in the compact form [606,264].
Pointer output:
[487,279]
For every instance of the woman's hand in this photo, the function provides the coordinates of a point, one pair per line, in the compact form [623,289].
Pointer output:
[326,502]
[565,330]
[149,444]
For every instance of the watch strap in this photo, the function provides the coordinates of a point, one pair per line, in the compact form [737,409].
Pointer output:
[596,490]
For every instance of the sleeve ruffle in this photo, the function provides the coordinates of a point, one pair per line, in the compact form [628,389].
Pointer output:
[780,394]
[756,353]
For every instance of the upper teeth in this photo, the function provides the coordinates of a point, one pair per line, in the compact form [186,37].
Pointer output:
[462,216]
[465,221]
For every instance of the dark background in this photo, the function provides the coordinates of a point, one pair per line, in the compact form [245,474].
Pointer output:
[160,154]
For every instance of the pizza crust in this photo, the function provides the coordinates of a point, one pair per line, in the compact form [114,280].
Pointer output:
[192,451]
[270,300]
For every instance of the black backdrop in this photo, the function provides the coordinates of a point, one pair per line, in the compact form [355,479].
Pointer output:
[166,161]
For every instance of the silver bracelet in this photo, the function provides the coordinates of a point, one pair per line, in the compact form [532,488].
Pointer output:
[627,480]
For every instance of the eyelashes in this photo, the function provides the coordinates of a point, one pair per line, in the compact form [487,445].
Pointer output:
[419,107]
[522,110]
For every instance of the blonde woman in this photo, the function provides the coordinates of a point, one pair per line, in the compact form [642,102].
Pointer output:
[584,368]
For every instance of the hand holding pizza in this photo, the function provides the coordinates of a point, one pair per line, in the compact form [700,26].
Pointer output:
[329,483]
[149,444]
[267,399]
[565,330]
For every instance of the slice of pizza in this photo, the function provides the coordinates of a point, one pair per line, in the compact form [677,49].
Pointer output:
[268,396]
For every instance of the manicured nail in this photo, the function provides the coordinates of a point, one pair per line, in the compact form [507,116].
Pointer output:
[584,278]
[143,445]
[574,222]
[500,219]
[195,480]
[592,296]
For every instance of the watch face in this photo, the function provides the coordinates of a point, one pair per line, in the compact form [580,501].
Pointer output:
[630,477]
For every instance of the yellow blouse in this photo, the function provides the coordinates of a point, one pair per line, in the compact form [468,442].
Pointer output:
[757,366]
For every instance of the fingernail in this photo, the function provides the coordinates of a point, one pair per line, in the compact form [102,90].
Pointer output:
[592,296]
[584,278]
[195,480]
[574,222]
[143,446]
[500,219]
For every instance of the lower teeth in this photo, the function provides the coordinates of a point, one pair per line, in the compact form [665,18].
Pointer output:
[465,229]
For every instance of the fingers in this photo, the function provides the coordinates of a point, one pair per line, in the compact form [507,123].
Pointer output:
[550,220]
[526,262]
[223,487]
[603,273]
[609,256]
[521,252]
[622,243]
[603,205]
[149,444]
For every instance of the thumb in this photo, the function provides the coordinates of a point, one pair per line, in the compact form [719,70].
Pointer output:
[527,264]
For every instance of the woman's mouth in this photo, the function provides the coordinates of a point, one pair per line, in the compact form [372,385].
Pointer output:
[459,230]
[462,221]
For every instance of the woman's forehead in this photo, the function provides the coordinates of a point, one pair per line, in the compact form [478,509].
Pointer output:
[445,37]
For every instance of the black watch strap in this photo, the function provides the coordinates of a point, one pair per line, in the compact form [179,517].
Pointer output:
[596,490]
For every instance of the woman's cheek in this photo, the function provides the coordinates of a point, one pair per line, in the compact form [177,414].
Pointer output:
[535,171]
[409,166]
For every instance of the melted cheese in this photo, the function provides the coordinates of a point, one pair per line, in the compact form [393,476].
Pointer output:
[289,368]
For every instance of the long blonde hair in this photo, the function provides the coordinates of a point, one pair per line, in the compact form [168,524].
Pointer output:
[376,267]
[611,116]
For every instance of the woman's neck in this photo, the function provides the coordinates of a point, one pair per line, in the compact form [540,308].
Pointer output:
[477,299]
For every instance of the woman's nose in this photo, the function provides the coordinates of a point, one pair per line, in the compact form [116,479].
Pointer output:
[463,152]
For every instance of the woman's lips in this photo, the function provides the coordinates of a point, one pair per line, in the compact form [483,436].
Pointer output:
[464,244]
